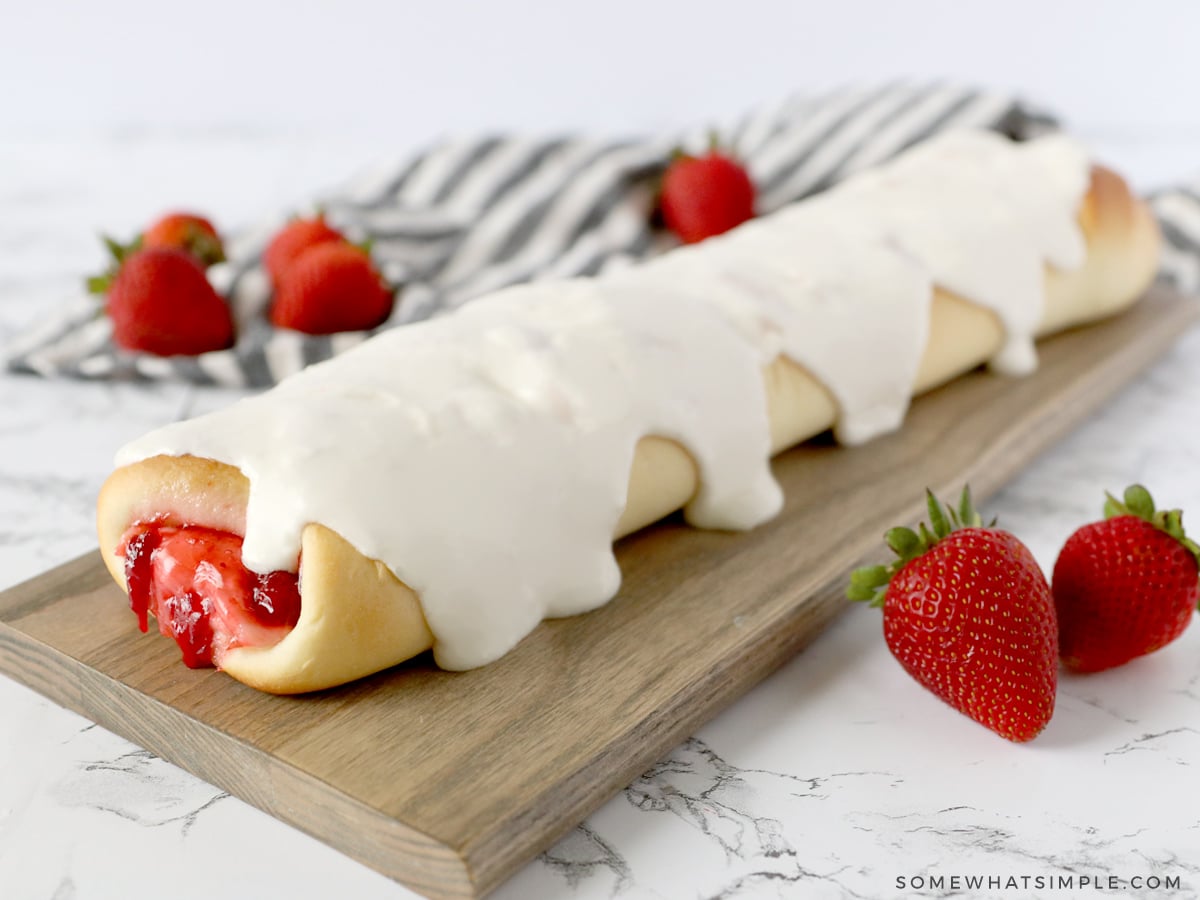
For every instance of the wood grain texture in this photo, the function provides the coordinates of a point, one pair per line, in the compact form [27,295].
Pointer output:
[450,782]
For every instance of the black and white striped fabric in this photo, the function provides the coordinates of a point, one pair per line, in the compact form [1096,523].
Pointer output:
[1178,214]
[467,217]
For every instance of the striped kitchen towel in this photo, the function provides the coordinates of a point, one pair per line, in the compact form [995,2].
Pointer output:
[1178,212]
[467,217]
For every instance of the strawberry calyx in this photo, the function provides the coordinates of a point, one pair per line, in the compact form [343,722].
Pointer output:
[188,232]
[118,253]
[698,195]
[1139,503]
[869,583]
[366,245]
[712,147]
[205,247]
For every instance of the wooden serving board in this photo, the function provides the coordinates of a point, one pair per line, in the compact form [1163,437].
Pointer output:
[449,782]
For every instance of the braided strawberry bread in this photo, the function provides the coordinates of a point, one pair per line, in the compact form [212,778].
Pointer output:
[447,485]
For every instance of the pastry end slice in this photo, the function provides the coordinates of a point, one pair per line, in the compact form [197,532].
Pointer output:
[356,617]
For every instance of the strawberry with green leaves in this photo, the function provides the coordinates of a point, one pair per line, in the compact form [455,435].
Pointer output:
[160,301]
[703,196]
[188,232]
[332,286]
[1125,586]
[968,613]
[293,239]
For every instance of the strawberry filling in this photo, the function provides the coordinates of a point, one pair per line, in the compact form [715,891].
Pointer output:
[192,580]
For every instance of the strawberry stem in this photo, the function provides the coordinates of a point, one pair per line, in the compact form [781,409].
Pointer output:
[968,517]
[1139,503]
[928,539]
[869,583]
[206,248]
[904,542]
[99,284]
[937,515]
[678,154]
[119,251]
[865,584]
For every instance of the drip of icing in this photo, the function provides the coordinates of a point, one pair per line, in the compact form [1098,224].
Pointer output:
[484,456]
[983,216]
[820,290]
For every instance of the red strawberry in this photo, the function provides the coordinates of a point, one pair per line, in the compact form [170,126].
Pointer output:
[1125,586]
[293,239]
[967,612]
[705,196]
[331,287]
[160,301]
[189,232]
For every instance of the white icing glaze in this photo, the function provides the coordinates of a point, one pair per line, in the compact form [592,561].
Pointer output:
[484,457]
[799,284]
[1002,211]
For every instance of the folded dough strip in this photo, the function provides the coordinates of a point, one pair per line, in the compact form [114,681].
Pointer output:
[357,617]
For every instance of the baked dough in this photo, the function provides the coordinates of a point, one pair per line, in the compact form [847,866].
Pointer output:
[358,618]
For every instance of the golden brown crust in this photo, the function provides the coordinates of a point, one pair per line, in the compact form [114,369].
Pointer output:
[188,489]
[1123,249]
[1123,241]
[358,618]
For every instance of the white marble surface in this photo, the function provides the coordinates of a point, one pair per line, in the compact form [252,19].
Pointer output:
[832,779]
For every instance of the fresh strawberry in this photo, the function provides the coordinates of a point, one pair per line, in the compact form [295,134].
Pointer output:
[293,239]
[161,302]
[188,232]
[705,196]
[176,231]
[1125,586]
[968,613]
[331,287]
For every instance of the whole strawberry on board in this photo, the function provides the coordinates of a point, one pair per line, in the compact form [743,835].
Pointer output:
[293,239]
[160,301]
[706,195]
[331,287]
[967,612]
[1125,586]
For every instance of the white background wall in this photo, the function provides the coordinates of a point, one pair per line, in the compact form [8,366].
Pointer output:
[387,76]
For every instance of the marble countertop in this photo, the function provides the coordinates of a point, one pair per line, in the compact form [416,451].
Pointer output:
[837,777]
